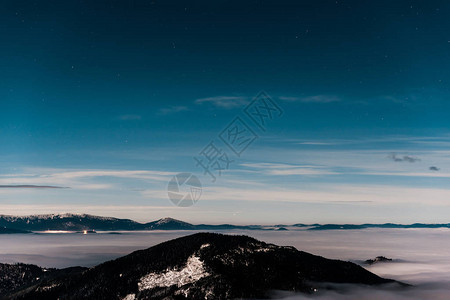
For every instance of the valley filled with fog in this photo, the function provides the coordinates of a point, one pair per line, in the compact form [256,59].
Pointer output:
[420,256]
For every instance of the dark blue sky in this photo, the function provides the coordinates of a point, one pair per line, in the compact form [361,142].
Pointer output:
[145,85]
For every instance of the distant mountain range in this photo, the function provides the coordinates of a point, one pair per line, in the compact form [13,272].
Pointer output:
[386,225]
[81,222]
[5,230]
[198,266]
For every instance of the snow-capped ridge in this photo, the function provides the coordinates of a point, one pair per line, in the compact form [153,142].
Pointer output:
[167,220]
[54,216]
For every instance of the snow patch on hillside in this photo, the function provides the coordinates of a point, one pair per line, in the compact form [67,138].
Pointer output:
[130,297]
[193,271]
[48,287]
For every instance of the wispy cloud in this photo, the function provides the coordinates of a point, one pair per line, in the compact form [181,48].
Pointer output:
[404,158]
[348,163]
[135,174]
[226,102]
[288,169]
[346,193]
[78,179]
[30,186]
[413,141]
[316,143]
[130,117]
[312,99]
[172,110]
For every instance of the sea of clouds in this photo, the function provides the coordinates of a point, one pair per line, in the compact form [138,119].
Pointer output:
[420,256]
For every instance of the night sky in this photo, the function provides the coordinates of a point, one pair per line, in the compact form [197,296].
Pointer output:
[110,99]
